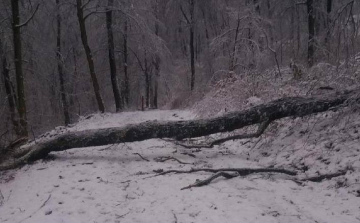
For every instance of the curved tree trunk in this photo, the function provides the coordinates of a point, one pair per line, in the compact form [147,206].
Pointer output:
[286,107]
[89,57]
[112,60]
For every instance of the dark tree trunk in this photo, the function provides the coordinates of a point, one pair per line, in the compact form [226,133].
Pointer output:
[126,74]
[192,48]
[9,91]
[89,57]
[18,66]
[285,107]
[328,25]
[112,60]
[147,81]
[233,59]
[311,28]
[157,77]
[156,63]
[75,87]
[60,68]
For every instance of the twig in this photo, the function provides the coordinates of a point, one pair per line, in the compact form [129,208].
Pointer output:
[29,19]
[1,199]
[4,134]
[37,209]
[121,216]
[175,217]
[32,132]
[107,147]
[200,183]
[142,157]
[166,158]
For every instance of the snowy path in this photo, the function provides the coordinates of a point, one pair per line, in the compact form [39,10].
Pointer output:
[106,184]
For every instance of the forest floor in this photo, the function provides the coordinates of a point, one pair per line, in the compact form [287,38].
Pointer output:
[112,184]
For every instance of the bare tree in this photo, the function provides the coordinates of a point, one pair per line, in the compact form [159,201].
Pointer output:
[189,16]
[89,56]
[311,28]
[16,27]
[64,100]
[9,88]
[126,56]
[112,60]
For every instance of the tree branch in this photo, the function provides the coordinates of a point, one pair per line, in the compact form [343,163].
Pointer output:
[29,19]
[184,14]
[262,127]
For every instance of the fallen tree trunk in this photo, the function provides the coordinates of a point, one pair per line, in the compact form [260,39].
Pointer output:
[286,107]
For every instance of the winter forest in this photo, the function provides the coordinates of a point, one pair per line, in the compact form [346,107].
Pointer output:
[264,91]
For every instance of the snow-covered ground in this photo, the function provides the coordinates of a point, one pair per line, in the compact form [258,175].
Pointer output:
[111,184]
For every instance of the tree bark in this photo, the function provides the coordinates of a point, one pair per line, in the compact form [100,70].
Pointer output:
[112,60]
[9,91]
[126,93]
[311,36]
[192,48]
[157,77]
[64,101]
[89,57]
[286,107]
[18,66]
[328,26]
[147,80]
[156,61]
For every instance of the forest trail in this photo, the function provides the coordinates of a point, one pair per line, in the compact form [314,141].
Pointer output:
[111,184]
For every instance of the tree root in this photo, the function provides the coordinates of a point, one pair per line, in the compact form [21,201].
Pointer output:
[261,129]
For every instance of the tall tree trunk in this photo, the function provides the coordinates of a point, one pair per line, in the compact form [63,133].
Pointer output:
[298,31]
[147,81]
[233,59]
[81,19]
[18,66]
[192,48]
[112,60]
[126,74]
[9,91]
[60,68]
[328,25]
[292,31]
[157,76]
[311,27]
[76,76]
[157,67]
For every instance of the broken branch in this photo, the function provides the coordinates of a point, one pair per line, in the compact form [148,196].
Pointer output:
[262,127]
